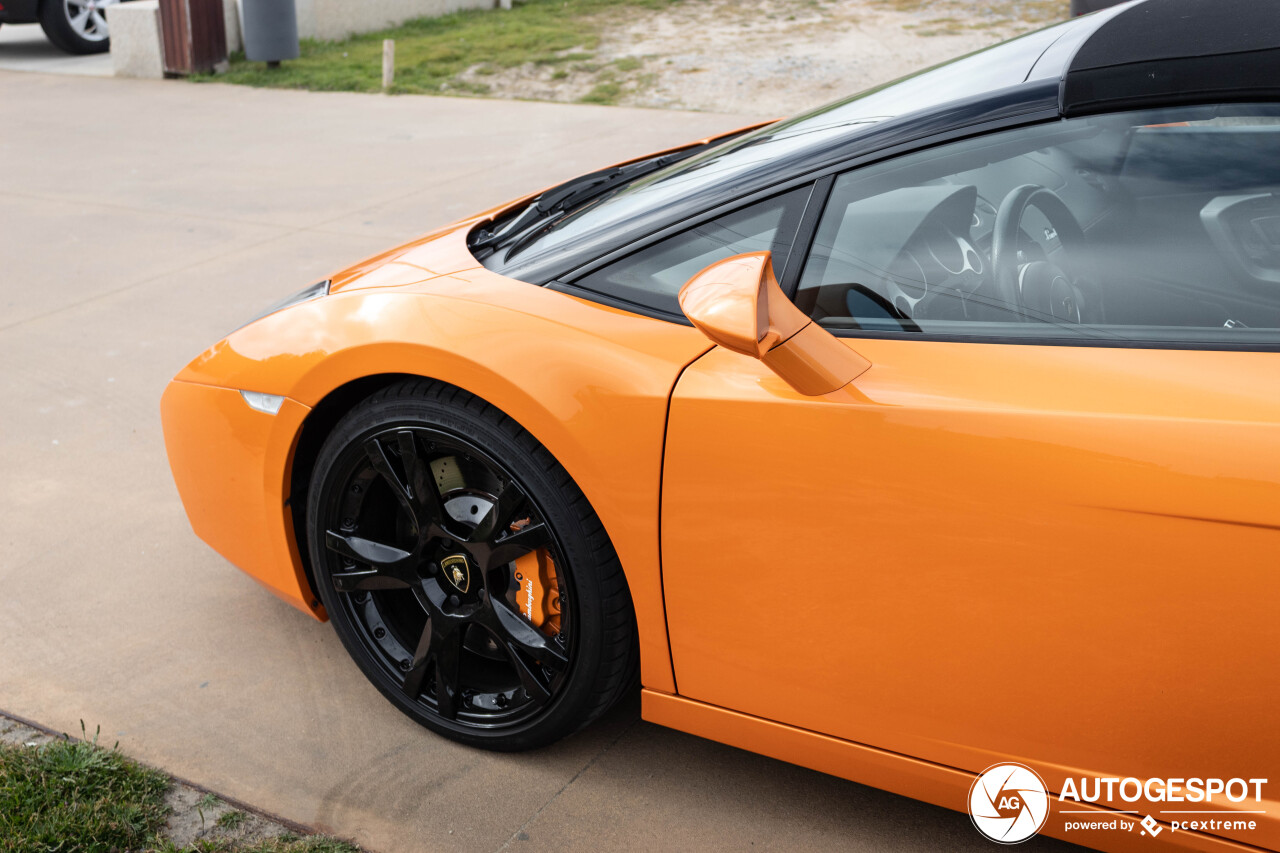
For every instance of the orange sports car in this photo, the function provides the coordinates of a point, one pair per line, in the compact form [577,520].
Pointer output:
[931,432]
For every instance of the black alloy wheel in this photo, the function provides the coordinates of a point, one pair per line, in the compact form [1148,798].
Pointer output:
[465,572]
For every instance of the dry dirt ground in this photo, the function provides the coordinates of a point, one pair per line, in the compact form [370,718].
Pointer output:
[772,57]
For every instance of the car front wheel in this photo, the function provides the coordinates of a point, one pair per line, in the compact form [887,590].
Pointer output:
[465,572]
[76,26]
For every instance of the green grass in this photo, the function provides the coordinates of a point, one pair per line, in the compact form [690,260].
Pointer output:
[606,91]
[73,796]
[209,802]
[432,52]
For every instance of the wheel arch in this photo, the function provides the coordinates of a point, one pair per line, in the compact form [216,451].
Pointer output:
[325,416]
[316,427]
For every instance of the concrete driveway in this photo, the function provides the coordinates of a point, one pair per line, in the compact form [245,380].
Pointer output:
[139,222]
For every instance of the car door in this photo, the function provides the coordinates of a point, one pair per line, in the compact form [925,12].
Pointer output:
[1045,524]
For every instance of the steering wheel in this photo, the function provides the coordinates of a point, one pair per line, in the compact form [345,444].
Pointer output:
[1039,290]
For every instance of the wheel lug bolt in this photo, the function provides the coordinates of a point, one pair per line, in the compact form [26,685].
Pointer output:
[405,665]
[355,488]
[453,601]
[379,632]
[348,523]
[362,597]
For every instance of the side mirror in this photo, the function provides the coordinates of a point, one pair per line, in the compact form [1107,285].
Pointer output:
[738,305]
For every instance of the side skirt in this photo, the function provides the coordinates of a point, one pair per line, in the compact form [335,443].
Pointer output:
[899,774]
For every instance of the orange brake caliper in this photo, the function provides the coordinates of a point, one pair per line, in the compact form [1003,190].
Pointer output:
[538,595]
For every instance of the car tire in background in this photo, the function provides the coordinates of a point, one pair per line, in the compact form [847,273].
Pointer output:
[465,572]
[76,26]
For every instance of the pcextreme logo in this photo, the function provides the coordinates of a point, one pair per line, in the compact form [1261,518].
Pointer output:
[1009,803]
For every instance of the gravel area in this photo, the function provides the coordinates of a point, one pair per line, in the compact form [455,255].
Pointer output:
[770,57]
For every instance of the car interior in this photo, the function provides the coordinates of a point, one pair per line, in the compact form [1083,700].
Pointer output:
[1158,225]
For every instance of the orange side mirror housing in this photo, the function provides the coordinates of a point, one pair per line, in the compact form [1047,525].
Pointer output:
[738,305]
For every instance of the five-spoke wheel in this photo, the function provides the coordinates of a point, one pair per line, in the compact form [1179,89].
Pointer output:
[77,26]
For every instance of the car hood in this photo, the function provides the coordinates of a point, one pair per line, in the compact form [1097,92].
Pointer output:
[436,254]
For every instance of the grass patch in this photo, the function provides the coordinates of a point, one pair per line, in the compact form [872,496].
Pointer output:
[465,52]
[607,92]
[432,52]
[74,796]
[560,58]
[208,802]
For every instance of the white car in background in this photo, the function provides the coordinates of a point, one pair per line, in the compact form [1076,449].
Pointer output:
[76,26]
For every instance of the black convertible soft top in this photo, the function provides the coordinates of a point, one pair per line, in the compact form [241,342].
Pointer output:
[1166,52]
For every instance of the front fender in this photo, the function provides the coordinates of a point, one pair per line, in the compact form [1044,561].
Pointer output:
[590,382]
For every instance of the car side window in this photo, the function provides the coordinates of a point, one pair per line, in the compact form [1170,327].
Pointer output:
[653,276]
[1152,226]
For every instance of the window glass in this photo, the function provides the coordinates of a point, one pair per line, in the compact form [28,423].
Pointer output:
[1146,226]
[653,276]
[746,160]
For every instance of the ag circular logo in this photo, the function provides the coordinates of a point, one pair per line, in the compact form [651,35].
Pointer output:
[1008,803]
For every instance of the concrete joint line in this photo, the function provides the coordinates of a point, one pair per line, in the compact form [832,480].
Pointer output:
[601,754]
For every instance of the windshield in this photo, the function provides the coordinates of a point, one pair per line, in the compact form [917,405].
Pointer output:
[723,168]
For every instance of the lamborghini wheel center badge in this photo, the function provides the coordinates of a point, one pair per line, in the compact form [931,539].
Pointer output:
[457,572]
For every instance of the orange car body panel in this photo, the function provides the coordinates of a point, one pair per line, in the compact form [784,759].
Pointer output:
[230,465]
[1063,556]
[1139,482]
[588,381]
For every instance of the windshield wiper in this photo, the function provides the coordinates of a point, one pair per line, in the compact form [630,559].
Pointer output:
[568,196]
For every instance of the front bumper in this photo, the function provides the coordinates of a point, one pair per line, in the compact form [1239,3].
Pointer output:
[231,464]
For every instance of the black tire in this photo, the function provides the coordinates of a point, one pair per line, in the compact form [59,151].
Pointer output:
[423,483]
[56,21]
